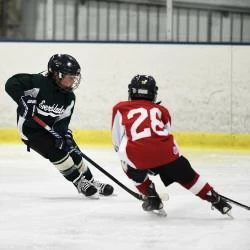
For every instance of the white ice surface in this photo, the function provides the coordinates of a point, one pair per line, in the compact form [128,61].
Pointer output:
[39,209]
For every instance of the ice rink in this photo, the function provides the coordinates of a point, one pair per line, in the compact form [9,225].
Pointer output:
[39,209]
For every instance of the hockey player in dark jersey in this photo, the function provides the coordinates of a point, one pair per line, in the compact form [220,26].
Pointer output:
[142,138]
[51,98]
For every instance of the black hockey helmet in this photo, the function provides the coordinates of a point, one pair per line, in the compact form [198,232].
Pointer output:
[142,87]
[61,64]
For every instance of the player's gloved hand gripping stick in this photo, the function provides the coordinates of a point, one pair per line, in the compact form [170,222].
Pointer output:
[77,150]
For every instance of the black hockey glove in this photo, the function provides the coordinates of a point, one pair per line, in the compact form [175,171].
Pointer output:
[65,142]
[152,200]
[70,143]
[59,141]
[27,106]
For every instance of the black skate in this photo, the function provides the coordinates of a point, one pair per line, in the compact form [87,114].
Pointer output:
[219,203]
[86,187]
[103,189]
[153,203]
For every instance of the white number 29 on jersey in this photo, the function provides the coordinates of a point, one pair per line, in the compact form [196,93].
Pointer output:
[155,123]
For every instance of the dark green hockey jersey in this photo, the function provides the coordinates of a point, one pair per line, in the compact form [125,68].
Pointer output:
[54,106]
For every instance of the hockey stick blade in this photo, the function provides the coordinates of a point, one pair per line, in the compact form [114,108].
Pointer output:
[235,202]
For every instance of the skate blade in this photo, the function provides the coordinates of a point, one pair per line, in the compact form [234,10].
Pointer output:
[161,212]
[229,214]
[111,195]
[95,196]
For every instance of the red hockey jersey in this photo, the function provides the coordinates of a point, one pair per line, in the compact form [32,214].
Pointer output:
[141,134]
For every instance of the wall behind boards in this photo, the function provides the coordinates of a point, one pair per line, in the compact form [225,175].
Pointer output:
[205,87]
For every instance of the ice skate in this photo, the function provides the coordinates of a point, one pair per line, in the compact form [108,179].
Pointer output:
[219,203]
[103,189]
[86,187]
[153,203]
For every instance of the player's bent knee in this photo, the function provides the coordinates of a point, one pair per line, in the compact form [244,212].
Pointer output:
[67,168]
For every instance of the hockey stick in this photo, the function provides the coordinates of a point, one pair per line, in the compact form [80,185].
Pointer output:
[235,202]
[78,151]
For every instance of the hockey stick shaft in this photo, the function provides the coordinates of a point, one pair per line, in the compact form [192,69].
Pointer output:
[49,129]
[136,195]
[235,202]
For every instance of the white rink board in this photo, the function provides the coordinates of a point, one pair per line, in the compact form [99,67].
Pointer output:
[206,87]
[40,210]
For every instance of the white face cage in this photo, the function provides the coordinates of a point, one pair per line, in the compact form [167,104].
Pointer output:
[76,82]
[77,79]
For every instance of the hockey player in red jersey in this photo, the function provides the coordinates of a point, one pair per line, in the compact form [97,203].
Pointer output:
[142,138]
